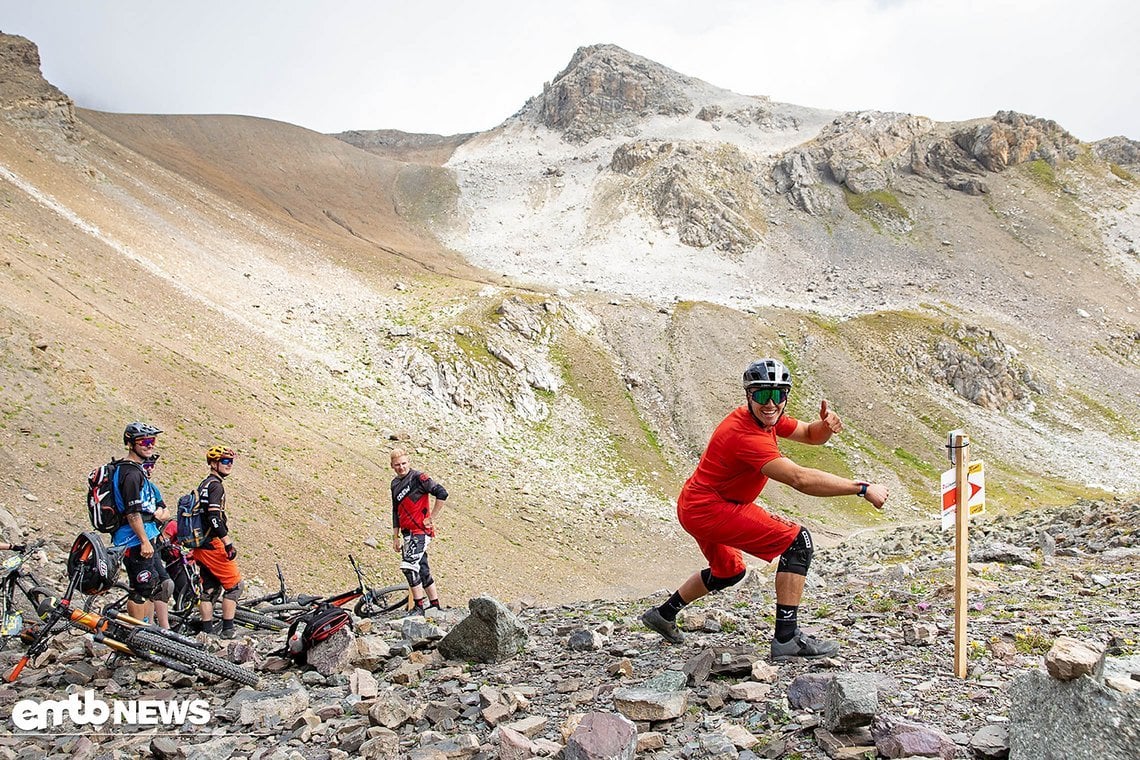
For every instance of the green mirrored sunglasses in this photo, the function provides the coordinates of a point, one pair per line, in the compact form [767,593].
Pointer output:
[775,395]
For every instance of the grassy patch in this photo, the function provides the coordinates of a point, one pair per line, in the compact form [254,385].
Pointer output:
[1042,172]
[1121,172]
[878,207]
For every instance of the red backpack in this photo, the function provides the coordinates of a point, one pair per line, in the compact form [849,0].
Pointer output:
[313,628]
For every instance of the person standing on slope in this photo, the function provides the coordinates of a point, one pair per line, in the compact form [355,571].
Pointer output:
[413,526]
[716,507]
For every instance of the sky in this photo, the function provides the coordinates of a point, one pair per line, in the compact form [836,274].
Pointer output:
[466,66]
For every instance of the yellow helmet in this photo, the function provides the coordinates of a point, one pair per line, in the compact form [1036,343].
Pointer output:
[214,453]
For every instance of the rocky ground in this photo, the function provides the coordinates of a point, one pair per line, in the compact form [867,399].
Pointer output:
[1034,577]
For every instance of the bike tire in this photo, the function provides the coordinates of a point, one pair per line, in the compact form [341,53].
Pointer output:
[392,599]
[188,655]
[256,620]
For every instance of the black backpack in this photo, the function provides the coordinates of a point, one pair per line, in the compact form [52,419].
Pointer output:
[313,628]
[104,502]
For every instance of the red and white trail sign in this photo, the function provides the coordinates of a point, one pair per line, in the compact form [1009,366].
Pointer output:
[977,500]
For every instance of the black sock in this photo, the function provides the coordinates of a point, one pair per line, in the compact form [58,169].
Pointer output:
[670,609]
[785,622]
[227,625]
[434,603]
[419,604]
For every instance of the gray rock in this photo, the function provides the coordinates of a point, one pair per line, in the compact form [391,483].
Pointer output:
[275,707]
[990,742]
[999,551]
[660,698]
[809,691]
[491,633]
[585,641]
[334,653]
[851,701]
[1078,720]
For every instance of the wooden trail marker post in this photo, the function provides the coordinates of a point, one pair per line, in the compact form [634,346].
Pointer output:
[963,495]
[959,450]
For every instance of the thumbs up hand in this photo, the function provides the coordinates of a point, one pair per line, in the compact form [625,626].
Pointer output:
[830,418]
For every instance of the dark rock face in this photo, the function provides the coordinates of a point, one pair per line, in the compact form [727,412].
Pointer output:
[24,94]
[1120,151]
[604,86]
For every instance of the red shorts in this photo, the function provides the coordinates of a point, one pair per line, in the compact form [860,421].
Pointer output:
[724,529]
[213,557]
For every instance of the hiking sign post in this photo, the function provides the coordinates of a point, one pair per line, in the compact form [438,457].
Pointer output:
[965,484]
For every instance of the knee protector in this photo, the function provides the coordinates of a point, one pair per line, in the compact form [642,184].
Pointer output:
[427,580]
[235,592]
[797,558]
[144,586]
[164,592]
[712,583]
[413,577]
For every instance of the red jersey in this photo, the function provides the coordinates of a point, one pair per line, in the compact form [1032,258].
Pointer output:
[738,449]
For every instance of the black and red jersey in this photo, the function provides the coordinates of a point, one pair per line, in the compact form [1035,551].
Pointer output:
[410,503]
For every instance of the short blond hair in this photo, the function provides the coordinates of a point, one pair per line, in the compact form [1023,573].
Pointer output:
[396,454]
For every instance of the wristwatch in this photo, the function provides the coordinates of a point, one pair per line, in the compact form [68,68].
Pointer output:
[863,489]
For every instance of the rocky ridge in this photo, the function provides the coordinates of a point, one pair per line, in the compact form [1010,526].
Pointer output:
[1037,580]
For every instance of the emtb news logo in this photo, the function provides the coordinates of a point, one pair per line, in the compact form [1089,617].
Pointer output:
[39,715]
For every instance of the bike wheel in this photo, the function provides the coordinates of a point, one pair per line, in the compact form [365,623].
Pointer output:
[383,601]
[256,620]
[188,655]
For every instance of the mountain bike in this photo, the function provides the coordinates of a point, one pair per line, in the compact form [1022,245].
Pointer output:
[16,578]
[92,568]
[370,601]
[187,594]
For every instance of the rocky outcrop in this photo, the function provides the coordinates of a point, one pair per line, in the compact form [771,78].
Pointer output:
[605,87]
[707,194]
[867,150]
[24,94]
[976,364]
[1120,151]
[861,150]
[1014,138]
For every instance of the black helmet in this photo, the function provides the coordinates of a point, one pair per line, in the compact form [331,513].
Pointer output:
[767,373]
[96,566]
[138,430]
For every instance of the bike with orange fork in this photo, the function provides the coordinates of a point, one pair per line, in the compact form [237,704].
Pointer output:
[92,569]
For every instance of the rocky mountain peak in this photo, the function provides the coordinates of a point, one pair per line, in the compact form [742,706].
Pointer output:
[605,86]
[24,93]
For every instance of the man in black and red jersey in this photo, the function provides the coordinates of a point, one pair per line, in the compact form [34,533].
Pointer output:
[413,526]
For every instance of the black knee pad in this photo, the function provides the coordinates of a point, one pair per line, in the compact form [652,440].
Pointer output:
[145,587]
[712,583]
[235,592]
[797,558]
[413,577]
[165,591]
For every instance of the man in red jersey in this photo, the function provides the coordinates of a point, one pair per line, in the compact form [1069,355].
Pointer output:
[716,507]
[413,527]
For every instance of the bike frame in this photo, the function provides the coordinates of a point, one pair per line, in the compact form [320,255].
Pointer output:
[118,631]
[11,619]
[371,601]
